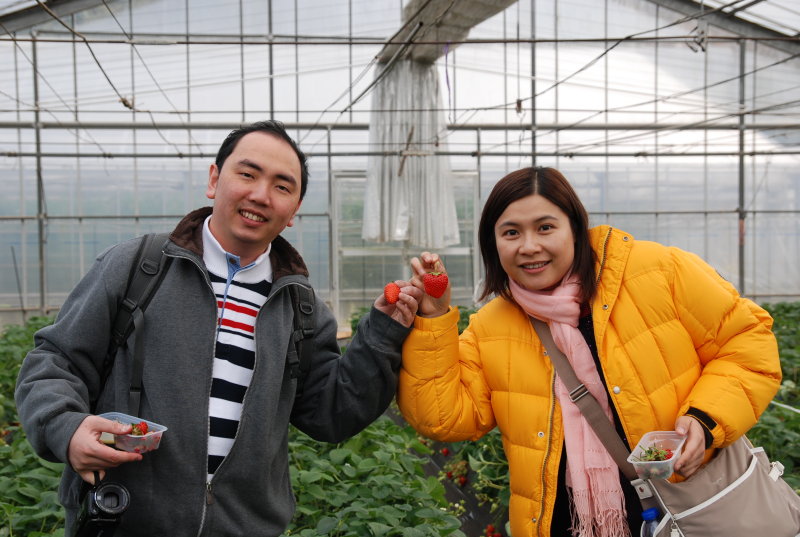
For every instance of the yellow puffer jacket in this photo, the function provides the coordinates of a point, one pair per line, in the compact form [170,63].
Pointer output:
[670,334]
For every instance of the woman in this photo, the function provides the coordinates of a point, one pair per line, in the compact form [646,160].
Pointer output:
[656,335]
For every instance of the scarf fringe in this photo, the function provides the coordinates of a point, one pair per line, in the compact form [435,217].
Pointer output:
[605,521]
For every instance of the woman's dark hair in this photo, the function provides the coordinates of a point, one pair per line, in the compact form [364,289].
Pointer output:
[275,128]
[553,186]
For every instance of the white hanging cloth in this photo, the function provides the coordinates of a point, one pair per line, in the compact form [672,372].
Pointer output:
[409,194]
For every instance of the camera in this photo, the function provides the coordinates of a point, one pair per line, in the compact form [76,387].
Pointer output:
[101,509]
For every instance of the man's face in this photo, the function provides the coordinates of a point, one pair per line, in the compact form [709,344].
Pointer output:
[256,194]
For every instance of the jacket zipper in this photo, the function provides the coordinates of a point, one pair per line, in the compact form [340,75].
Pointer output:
[255,365]
[553,403]
[603,259]
[209,493]
[209,498]
[547,452]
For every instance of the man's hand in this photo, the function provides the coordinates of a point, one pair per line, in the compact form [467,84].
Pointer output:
[87,453]
[694,447]
[405,309]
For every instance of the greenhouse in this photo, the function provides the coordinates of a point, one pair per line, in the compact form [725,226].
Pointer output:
[676,121]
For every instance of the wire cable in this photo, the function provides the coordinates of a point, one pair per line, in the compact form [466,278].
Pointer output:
[127,103]
[152,76]
[50,86]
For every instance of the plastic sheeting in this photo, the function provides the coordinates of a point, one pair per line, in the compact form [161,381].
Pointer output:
[409,195]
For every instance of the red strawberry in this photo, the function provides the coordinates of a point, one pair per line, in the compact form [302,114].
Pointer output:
[435,283]
[391,292]
[445,452]
[449,475]
[462,481]
[139,429]
[497,534]
[490,528]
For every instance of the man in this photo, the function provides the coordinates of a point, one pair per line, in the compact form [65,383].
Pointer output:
[215,337]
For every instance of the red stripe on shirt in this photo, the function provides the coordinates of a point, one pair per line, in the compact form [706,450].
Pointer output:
[238,309]
[240,326]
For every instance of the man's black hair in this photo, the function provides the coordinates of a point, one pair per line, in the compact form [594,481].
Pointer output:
[274,128]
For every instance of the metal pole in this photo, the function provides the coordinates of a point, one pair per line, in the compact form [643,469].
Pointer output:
[476,201]
[742,215]
[40,206]
[533,83]
[333,235]
[271,74]
[241,60]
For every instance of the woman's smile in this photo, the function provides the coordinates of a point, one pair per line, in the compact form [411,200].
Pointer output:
[535,243]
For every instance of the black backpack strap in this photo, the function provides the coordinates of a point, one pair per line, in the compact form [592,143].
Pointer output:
[299,355]
[147,271]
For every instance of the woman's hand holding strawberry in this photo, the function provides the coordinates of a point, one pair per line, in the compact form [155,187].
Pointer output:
[436,298]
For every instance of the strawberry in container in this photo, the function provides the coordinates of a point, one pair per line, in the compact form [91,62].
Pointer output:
[144,436]
[656,453]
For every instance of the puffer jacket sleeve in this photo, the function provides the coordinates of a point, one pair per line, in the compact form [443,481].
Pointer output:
[443,393]
[734,341]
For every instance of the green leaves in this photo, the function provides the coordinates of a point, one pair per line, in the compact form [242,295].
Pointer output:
[778,430]
[370,485]
[28,485]
[28,498]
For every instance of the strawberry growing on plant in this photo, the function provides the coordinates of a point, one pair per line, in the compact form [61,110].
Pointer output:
[391,292]
[435,283]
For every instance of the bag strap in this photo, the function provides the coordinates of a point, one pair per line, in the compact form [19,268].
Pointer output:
[147,271]
[586,402]
[299,355]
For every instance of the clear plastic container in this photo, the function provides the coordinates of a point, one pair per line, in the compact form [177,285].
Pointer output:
[656,439]
[135,443]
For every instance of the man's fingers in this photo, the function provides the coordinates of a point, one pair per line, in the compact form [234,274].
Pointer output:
[99,456]
[101,425]
[86,453]
[88,476]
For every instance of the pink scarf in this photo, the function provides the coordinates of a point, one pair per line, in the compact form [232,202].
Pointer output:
[598,505]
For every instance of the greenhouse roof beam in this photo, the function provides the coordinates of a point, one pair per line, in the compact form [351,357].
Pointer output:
[440,23]
[732,23]
[29,17]
[223,125]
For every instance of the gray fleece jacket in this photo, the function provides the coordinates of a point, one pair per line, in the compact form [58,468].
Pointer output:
[250,494]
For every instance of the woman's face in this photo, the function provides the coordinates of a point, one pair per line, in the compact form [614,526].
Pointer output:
[535,243]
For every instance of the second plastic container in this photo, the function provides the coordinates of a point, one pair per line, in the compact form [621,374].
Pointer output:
[667,440]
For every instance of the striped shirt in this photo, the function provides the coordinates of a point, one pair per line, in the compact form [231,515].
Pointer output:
[240,293]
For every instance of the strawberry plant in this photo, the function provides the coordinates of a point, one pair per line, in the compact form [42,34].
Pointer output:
[778,430]
[15,343]
[28,484]
[372,484]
